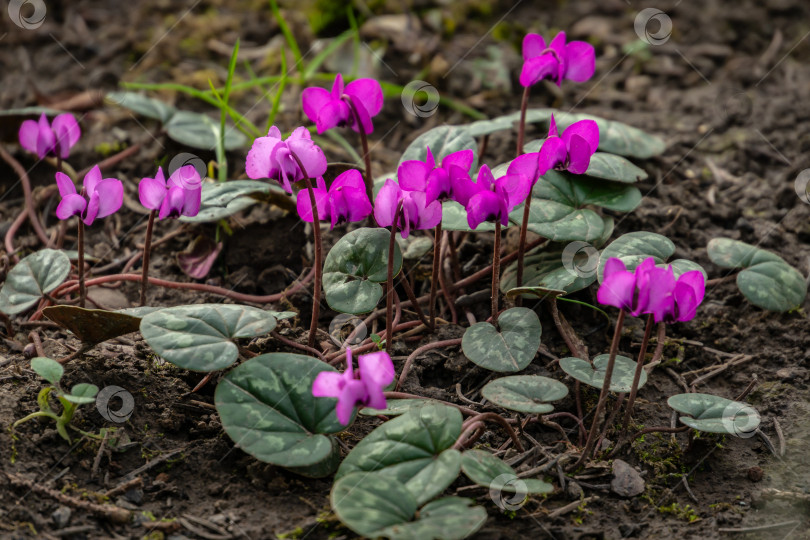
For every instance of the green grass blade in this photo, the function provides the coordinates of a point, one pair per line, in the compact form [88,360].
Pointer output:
[288,36]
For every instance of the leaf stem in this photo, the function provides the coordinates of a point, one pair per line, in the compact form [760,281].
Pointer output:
[639,366]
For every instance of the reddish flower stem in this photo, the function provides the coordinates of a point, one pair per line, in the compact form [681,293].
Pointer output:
[498,419]
[366,153]
[29,199]
[521,251]
[414,301]
[434,280]
[406,368]
[80,264]
[496,271]
[639,366]
[389,315]
[614,349]
[469,435]
[524,105]
[147,249]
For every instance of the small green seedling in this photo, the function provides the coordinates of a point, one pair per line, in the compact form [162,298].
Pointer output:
[82,393]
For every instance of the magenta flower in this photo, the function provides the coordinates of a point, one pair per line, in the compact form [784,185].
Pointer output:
[330,109]
[572,151]
[574,61]
[679,301]
[56,138]
[274,158]
[447,181]
[105,197]
[345,201]
[375,372]
[180,196]
[416,213]
[492,200]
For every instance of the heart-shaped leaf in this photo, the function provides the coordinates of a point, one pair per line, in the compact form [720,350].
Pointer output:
[47,368]
[454,218]
[92,326]
[140,104]
[509,349]
[507,121]
[714,414]
[603,166]
[486,470]
[200,131]
[375,506]
[414,247]
[415,448]
[525,393]
[443,141]
[223,199]
[267,407]
[31,278]
[621,380]
[561,222]
[354,269]
[767,281]
[199,337]
[567,271]
[393,407]
[82,393]
[633,248]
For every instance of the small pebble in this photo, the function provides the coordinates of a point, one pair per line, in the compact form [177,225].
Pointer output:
[755,474]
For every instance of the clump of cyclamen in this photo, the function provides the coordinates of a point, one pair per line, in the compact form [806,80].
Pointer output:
[100,197]
[410,209]
[181,195]
[363,387]
[50,138]
[353,105]
[652,290]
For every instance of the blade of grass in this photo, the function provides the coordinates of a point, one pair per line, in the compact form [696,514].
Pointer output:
[277,98]
[344,144]
[220,148]
[226,95]
[288,36]
[356,38]
[321,57]
[391,90]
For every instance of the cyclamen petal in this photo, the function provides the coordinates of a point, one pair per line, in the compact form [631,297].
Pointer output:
[110,193]
[331,109]
[29,131]
[71,205]
[65,184]
[533,45]
[580,61]
[368,92]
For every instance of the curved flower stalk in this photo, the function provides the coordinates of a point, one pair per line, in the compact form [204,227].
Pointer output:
[181,195]
[353,105]
[55,138]
[363,387]
[345,201]
[288,161]
[99,198]
[572,152]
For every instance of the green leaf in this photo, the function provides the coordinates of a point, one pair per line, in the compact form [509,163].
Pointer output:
[140,104]
[714,414]
[47,368]
[508,350]
[267,407]
[82,393]
[633,248]
[223,199]
[613,167]
[354,269]
[454,218]
[488,471]
[548,270]
[621,380]
[682,266]
[201,131]
[199,337]
[508,121]
[31,278]
[414,247]
[92,325]
[443,141]
[561,222]
[767,281]
[449,518]
[374,506]
[525,393]
[368,502]
[415,448]
[393,407]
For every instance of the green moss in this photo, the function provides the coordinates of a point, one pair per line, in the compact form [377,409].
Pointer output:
[686,513]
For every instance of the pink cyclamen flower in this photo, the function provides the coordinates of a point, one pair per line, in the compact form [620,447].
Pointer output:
[180,196]
[365,387]
[493,199]
[633,291]
[105,197]
[680,300]
[574,61]
[447,181]
[572,151]
[345,201]
[274,158]
[56,138]
[416,212]
[330,109]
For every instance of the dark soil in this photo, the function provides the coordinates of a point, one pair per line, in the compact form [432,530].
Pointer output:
[730,94]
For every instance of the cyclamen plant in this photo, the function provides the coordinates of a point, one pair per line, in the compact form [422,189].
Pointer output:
[286,408]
